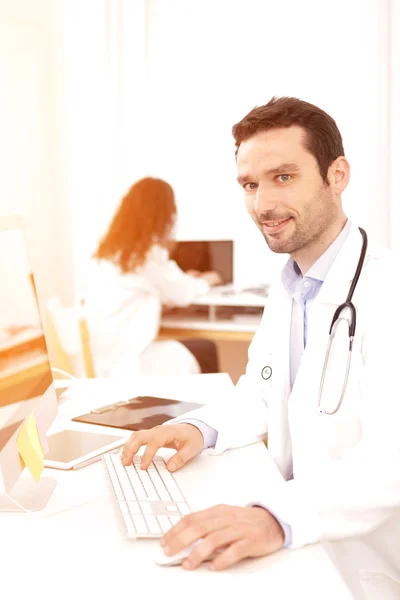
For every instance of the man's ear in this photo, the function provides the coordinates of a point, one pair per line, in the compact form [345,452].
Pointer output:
[339,174]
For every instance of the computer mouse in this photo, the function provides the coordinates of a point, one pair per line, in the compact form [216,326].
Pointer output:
[176,559]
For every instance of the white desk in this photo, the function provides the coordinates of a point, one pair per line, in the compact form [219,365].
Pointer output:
[81,552]
[239,328]
[234,330]
[238,298]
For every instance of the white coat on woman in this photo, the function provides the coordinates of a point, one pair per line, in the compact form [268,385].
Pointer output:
[123,315]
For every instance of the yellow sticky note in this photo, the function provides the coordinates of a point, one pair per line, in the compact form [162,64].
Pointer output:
[34,435]
[29,447]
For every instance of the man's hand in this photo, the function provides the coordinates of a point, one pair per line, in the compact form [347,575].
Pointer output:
[241,533]
[185,438]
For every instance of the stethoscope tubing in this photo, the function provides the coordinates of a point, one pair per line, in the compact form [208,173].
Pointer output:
[352,330]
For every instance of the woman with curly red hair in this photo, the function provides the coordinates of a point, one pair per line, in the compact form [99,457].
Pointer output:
[131,278]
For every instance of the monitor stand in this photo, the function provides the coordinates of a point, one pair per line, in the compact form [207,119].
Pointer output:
[27,495]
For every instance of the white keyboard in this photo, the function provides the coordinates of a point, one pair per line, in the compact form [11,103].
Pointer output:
[150,501]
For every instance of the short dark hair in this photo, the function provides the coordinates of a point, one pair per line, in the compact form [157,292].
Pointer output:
[323,138]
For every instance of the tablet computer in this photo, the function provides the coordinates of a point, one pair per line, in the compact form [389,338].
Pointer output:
[71,448]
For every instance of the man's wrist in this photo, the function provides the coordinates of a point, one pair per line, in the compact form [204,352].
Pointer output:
[195,426]
[209,434]
[276,531]
[286,528]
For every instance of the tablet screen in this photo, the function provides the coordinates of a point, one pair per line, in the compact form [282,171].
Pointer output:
[69,445]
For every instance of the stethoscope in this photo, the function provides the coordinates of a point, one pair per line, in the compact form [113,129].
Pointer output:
[266,372]
[352,329]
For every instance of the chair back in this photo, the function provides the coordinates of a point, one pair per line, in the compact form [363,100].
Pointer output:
[71,338]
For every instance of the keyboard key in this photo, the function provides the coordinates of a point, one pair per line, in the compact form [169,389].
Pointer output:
[124,480]
[124,508]
[170,484]
[134,508]
[128,524]
[140,524]
[165,524]
[153,525]
[175,520]
[148,485]
[146,508]
[159,485]
[116,485]
[136,483]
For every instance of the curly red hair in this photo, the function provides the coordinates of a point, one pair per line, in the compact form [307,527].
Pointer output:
[145,217]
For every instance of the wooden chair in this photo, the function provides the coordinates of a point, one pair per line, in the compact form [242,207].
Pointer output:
[70,336]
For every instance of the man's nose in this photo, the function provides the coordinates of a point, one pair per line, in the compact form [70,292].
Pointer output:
[265,201]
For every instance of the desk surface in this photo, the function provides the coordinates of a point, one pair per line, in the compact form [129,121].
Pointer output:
[76,547]
[233,330]
[242,323]
[240,327]
[239,298]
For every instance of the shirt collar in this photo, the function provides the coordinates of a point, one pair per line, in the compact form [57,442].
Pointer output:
[319,270]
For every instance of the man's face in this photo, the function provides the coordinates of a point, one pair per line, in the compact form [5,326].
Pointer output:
[285,193]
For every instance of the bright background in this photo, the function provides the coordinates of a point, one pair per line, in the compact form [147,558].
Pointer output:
[95,94]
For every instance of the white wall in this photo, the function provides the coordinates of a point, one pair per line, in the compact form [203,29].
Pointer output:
[394,131]
[97,93]
[17,301]
[31,182]
[210,62]
[62,99]
[104,111]
[89,161]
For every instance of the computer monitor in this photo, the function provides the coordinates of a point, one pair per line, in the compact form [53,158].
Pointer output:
[205,255]
[28,402]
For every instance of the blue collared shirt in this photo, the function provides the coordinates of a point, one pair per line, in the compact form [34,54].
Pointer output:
[304,289]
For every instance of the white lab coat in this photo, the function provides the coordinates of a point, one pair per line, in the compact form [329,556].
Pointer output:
[346,467]
[123,315]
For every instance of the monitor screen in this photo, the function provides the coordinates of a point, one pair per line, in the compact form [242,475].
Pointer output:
[25,372]
[204,255]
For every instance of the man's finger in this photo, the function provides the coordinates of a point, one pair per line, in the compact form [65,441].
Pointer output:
[208,513]
[130,449]
[192,533]
[148,455]
[181,457]
[232,555]
[211,544]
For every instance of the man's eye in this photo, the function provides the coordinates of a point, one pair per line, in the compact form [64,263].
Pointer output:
[284,178]
[250,186]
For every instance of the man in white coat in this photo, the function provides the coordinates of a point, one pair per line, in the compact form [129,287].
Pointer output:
[341,470]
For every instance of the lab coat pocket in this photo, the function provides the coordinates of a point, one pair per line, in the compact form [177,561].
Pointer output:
[338,413]
[337,433]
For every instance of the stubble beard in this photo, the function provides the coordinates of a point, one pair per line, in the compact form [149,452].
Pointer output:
[309,228]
